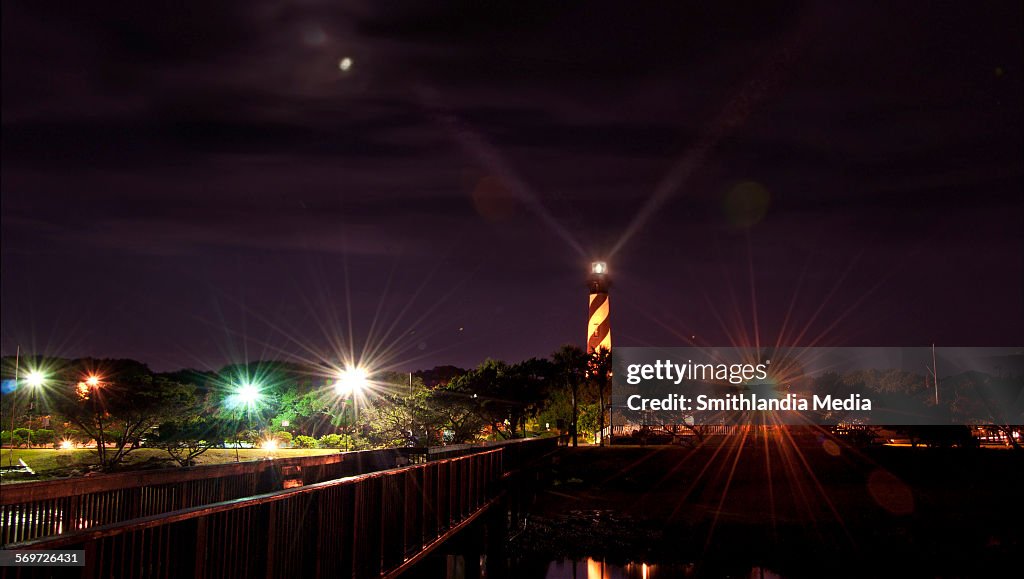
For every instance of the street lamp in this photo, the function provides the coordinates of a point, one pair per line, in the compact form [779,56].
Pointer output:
[89,385]
[35,379]
[246,396]
[351,381]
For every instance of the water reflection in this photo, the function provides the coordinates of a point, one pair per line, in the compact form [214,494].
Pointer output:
[591,568]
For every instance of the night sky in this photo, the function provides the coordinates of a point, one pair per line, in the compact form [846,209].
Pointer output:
[212,185]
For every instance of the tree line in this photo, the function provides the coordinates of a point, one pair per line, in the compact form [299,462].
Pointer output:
[120,405]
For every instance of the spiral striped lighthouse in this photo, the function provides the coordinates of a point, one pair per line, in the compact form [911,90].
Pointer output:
[599,330]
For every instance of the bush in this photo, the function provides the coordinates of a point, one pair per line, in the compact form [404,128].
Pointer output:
[332,441]
[251,437]
[43,436]
[283,437]
[24,434]
[5,437]
[303,441]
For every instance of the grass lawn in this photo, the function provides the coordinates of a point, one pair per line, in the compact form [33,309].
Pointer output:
[46,461]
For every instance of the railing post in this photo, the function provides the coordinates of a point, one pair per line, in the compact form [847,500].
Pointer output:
[367,528]
[430,502]
[393,522]
[271,532]
[199,569]
[413,497]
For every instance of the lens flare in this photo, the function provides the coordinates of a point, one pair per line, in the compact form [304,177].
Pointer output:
[351,381]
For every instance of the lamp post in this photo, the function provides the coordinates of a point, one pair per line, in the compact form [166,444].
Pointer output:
[246,397]
[17,358]
[351,382]
[87,390]
[35,380]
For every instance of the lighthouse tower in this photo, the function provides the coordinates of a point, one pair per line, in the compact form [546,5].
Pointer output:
[599,330]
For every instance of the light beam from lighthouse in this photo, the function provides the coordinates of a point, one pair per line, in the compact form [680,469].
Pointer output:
[599,330]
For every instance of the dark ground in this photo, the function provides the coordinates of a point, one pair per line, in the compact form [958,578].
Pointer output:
[802,506]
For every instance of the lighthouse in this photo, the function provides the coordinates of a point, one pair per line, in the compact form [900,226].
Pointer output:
[599,330]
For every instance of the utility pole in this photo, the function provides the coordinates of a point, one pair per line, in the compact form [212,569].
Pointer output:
[935,375]
[14,394]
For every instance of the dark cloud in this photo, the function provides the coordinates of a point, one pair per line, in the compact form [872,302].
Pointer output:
[182,182]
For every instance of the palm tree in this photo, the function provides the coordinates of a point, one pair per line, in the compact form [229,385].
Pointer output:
[600,370]
[571,367]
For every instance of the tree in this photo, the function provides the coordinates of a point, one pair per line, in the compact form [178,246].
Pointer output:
[284,437]
[439,375]
[6,439]
[506,396]
[600,372]
[303,441]
[43,436]
[456,413]
[315,412]
[570,365]
[122,408]
[23,435]
[403,414]
[189,437]
[335,441]
[589,419]
[194,430]
[250,436]
[997,401]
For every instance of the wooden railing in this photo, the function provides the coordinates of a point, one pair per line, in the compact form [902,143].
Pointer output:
[371,525]
[516,446]
[42,509]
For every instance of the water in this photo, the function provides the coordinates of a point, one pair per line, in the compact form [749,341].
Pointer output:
[591,568]
[461,567]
